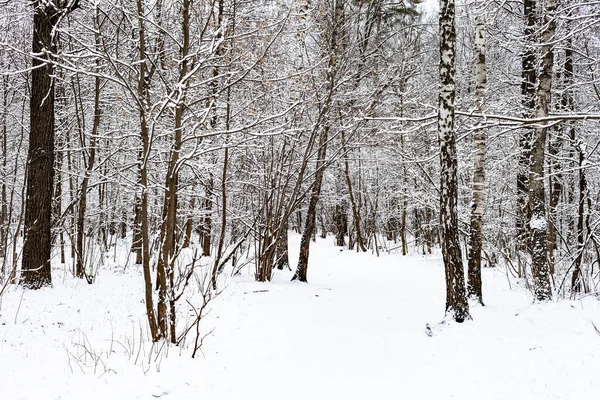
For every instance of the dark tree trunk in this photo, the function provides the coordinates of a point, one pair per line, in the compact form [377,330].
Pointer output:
[309,226]
[187,238]
[283,260]
[136,244]
[36,271]
[207,222]
[576,279]
[4,220]
[340,217]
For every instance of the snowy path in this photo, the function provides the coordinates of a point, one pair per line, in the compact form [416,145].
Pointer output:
[356,331]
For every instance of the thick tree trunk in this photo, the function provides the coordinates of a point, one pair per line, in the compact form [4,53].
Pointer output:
[35,269]
[478,206]
[537,192]
[528,87]
[457,306]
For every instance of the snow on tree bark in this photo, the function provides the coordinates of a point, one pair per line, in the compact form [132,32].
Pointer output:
[537,192]
[528,82]
[457,306]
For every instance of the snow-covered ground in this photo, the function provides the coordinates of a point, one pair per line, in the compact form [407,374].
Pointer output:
[355,332]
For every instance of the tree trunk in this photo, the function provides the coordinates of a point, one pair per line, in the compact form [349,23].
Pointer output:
[143,173]
[478,206]
[283,260]
[189,224]
[309,227]
[4,221]
[566,130]
[355,213]
[537,192]
[457,306]
[310,222]
[576,278]
[528,84]
[35,268]
[80,252]
[207,221]
[340,217]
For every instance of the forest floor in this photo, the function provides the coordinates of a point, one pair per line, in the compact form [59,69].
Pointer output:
[356,331]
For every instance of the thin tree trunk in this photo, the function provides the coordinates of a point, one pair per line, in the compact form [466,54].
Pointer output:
[219,254]
[478,207]
[457,306]
[576,278]
[567,131]
[309,227]
[4,221]
[80,252]
[355,213]
[340,217]
[404,200]
[207,221]
[283,260]
[58,201]
[71,195]
[143,163]
[189,222]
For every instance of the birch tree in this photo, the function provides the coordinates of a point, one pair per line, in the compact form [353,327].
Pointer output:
[478,206]
[457,306]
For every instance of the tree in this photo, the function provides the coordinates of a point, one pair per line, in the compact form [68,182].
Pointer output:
[457,306]
[478,206]
[37,246]
[336,24]
[528,99]
[537,192]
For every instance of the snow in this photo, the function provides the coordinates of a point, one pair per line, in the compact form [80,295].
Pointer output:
[357,329]
[538,223]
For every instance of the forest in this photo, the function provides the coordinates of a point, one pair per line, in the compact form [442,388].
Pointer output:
[198,167]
